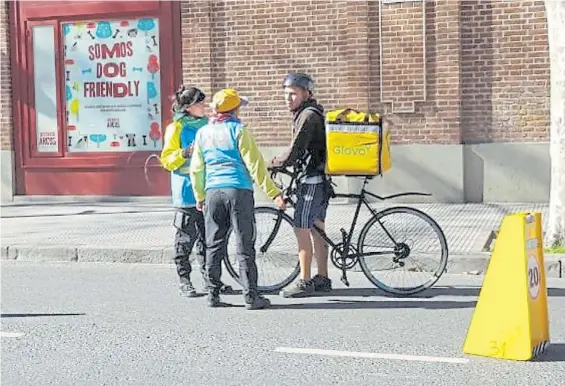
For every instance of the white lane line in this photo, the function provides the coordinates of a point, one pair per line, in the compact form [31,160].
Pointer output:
[400,357]
[5,334]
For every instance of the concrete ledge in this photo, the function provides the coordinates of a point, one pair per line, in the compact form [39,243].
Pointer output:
[44,253]
[472,264]
[9,253]
[120,255]
[477,264]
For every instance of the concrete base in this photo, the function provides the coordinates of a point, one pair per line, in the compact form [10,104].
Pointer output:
[507,172]
[433,169]
[491,172]
[7,175]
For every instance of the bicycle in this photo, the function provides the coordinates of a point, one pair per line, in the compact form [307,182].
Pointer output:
[343,254]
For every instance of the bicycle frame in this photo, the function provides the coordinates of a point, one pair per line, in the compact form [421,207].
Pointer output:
[346,236]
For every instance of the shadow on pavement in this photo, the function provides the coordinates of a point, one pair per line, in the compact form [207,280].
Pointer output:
[35,315]
[84,212]
[554,353]
[427,294]
[369,304]
[471,291]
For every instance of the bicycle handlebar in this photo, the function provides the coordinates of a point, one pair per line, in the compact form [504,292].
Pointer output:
[290,189]
[279,169]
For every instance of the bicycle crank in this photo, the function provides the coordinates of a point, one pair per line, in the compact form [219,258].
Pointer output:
[342,262]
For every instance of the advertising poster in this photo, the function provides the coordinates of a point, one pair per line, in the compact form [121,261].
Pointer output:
[112,86]
[45,89]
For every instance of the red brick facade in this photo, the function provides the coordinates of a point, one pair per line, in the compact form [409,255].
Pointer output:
[6,128]
[504,71]
[476,71]
[446,71]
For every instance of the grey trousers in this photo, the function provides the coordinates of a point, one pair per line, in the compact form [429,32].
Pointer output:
[190,232]
[231,209]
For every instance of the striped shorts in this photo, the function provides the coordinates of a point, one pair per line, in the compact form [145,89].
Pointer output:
[312,204]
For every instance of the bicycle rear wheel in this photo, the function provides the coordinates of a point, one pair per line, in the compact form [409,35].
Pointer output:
[276,251]
[381,243]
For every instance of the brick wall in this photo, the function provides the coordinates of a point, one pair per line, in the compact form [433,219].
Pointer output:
[490,85]
[5,81]
[252,44]
[419,86]
[505,71]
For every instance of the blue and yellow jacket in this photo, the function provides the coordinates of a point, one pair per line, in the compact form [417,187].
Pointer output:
[179,135]
[225,155]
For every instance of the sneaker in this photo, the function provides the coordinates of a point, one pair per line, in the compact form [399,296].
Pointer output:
[187,290]
[259,302]
[214,300]
[322,283]
[227,289]
[300,289]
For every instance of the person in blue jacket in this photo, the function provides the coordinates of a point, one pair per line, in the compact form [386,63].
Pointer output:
[188,117]
[225,164]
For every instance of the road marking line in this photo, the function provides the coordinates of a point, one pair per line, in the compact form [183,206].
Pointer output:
[293,350]
[5,334]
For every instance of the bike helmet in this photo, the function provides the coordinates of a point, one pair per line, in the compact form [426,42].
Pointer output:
[301,80]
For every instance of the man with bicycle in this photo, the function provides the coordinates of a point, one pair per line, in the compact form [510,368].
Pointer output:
[307,151]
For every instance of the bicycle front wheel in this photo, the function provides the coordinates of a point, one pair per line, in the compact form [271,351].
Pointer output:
[276,251]
[402,251]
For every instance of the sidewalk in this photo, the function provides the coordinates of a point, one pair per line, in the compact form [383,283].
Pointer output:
[142,232]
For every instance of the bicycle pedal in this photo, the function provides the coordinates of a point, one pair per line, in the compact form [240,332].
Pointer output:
[345,281]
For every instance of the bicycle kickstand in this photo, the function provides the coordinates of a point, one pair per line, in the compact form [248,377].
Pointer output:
[344,279]
[343,258]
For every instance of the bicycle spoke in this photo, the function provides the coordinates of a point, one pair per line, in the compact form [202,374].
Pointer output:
[276,251]
[407,269]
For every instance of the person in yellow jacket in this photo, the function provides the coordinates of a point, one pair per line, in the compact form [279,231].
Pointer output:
[189,116]
[224,164]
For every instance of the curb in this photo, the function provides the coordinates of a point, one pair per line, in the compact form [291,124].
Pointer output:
[470,264]
[88,254]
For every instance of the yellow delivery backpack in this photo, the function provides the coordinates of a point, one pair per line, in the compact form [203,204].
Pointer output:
[357,143]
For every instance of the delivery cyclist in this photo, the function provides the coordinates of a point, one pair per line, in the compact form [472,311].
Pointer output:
[188,118]
[224,165]
[308,148]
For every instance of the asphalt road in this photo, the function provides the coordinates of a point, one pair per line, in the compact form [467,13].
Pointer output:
[125,324]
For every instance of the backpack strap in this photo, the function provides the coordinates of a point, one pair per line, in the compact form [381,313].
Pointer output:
[311,108]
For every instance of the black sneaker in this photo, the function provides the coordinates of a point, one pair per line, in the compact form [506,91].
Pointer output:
[227,289]
[214,300]
[259,302]
[322,283]
[300,289]
[187,290]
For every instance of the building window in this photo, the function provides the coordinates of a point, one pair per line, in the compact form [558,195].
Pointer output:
[112,84]
[45,89]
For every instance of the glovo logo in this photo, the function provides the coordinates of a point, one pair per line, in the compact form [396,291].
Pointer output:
[357,150]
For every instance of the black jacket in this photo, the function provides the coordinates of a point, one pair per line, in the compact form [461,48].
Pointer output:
[309,140]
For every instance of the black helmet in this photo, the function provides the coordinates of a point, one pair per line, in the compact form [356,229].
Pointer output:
[186,97]
[301,80]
